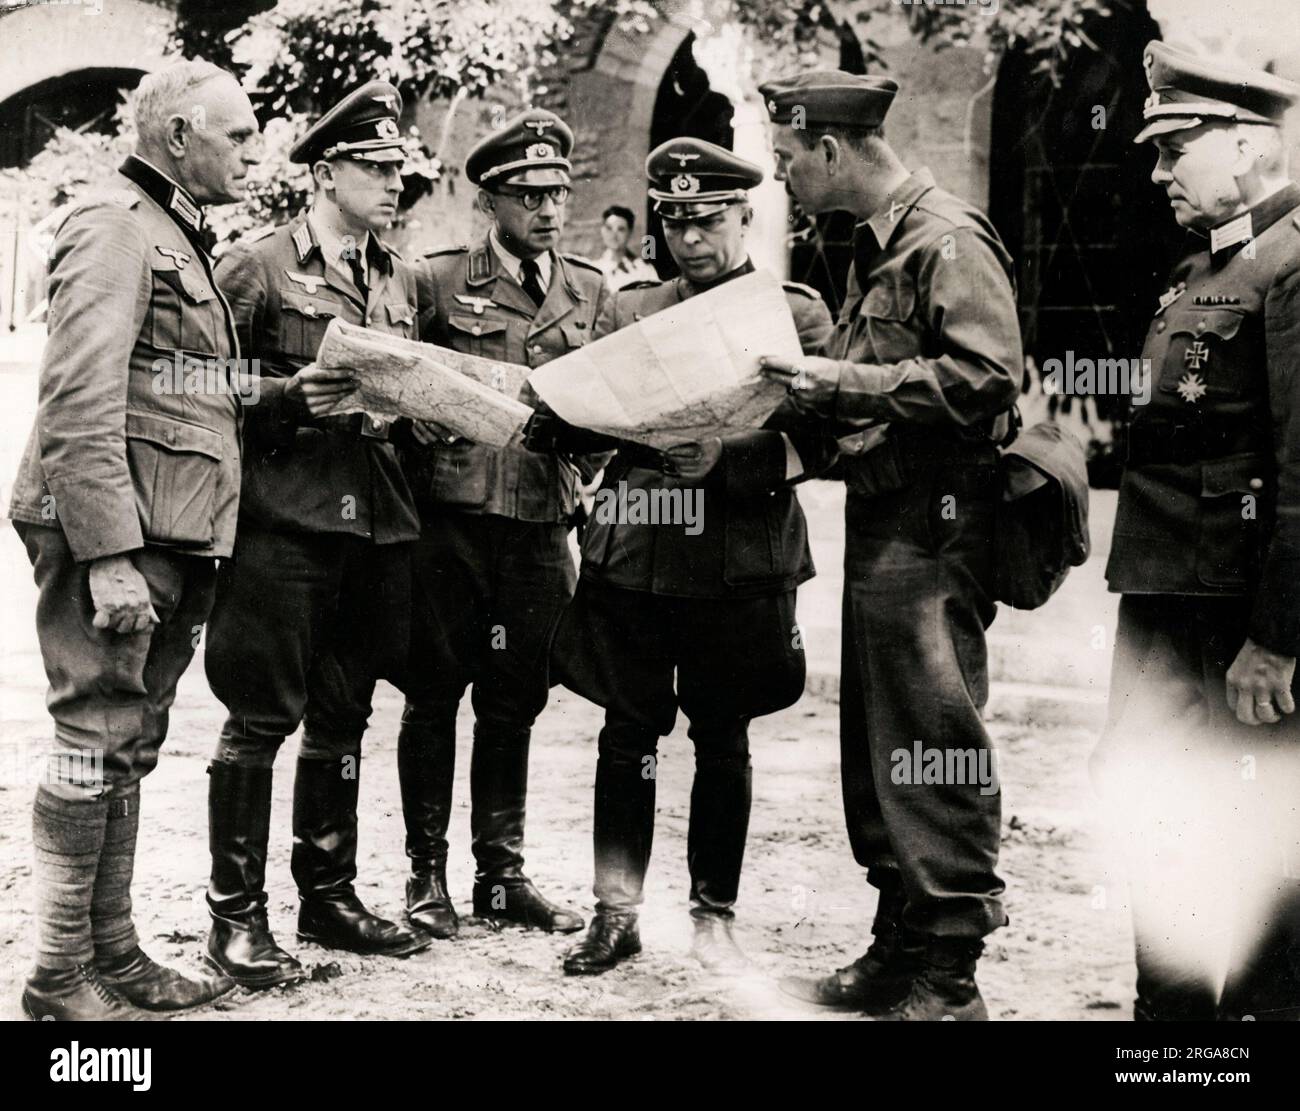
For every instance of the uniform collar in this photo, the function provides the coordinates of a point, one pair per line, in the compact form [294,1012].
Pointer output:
[886,220]
[686,288]
[511,262]
[173,198]
[1254,222]
[306,241]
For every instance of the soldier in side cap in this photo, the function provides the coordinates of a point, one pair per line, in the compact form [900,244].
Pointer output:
[315,607]
[492,568]
[926,362]
[1206,556]
[704,619]
[125,498]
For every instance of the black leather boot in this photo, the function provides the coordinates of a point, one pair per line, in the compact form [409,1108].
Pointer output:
[612,937]
[499,790]
[324,865]
[1263,983]
[945,986]
[75,995]
[881,977]
[240,944]
[624,826]
[144,983]
[719,823]
[426,764]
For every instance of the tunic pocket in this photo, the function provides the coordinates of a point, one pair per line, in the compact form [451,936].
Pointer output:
[184,314]
[887,311]
[1234,495]
[477,335]
[303,320]
[175,468]
[1197,364]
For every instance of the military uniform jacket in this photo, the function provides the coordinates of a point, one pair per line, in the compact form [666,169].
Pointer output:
[754,540]
[305,474]
[469,303]
[1210,500]
[928,332]
[122,453]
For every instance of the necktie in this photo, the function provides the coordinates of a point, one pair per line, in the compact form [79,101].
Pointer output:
[358,267]
[531,280]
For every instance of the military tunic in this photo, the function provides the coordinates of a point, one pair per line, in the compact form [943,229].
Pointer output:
[663,618]
[125,460]
[1205,550]
[315,606]
[932,360]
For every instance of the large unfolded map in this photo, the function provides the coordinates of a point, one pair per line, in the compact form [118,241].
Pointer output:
[472,397]
[680,375]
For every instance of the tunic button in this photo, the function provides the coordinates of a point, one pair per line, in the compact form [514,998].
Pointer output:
[1200,326]
[536,349]
[478,330]
[1160,327]
[1257,484]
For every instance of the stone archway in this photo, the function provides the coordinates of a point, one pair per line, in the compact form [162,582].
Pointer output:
[44,41]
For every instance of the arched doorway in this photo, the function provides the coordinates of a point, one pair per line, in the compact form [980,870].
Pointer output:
[83,101]
[1072,197]
[685,105]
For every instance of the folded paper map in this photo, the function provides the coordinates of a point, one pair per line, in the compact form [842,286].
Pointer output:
[472,397]
[680,375]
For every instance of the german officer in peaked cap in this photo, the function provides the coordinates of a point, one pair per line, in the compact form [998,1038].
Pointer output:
[927,362]
[1206,556]
[703,619]
[492,569]
[315,607]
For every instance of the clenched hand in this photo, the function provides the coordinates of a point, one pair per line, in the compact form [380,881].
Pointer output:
[319,390]
[121,596]
[1259,685]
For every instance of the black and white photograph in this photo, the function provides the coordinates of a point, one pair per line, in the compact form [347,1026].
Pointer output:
[743,511]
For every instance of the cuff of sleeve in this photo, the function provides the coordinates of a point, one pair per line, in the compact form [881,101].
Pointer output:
[1275,617]
[98,514]
[858,393]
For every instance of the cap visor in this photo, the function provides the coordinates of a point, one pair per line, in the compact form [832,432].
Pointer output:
[696,210]
[541,176]
[1166,125]
[388,154]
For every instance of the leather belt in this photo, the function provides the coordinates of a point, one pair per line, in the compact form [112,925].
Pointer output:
[1153,442]
[356,424]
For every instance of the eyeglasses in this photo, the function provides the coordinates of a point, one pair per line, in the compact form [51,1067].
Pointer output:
[532,199]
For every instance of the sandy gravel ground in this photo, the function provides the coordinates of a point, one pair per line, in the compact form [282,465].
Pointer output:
[804,904]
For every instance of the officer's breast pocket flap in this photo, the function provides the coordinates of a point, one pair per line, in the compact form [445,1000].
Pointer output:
[1199,364]
[573,335]
[400,314]
[303,320]
[1233,495]
[175,467]
[183,311]
[477,335]
[888,312]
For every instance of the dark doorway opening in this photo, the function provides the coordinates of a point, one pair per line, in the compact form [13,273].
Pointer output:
[685,105]
[1071,195]
[86,100]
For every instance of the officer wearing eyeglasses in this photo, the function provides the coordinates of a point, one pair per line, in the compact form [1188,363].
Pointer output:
[492,570]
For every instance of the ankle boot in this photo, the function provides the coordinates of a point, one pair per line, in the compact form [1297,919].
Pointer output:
[499,790]
[882,976]
[944,988]
[426,764]
[612,937]
[324,865]
[240,944]
[144,983]
[76,994]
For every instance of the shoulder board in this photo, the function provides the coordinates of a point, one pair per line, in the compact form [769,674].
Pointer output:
[124,198]
[641,283]
[799,287]
[259,234]
[454,249]
[585,263]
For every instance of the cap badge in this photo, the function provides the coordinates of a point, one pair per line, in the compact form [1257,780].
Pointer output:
[1191,388]
[771,107]
[387,129]
[686,184]
[540,150]
[387,100]
[539,126]
[682,157]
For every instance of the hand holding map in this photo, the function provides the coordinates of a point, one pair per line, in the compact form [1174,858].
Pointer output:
[684,374]
[474,398]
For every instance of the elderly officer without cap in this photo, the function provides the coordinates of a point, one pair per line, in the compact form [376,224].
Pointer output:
[927,362]
[125,499]
[1206,555]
